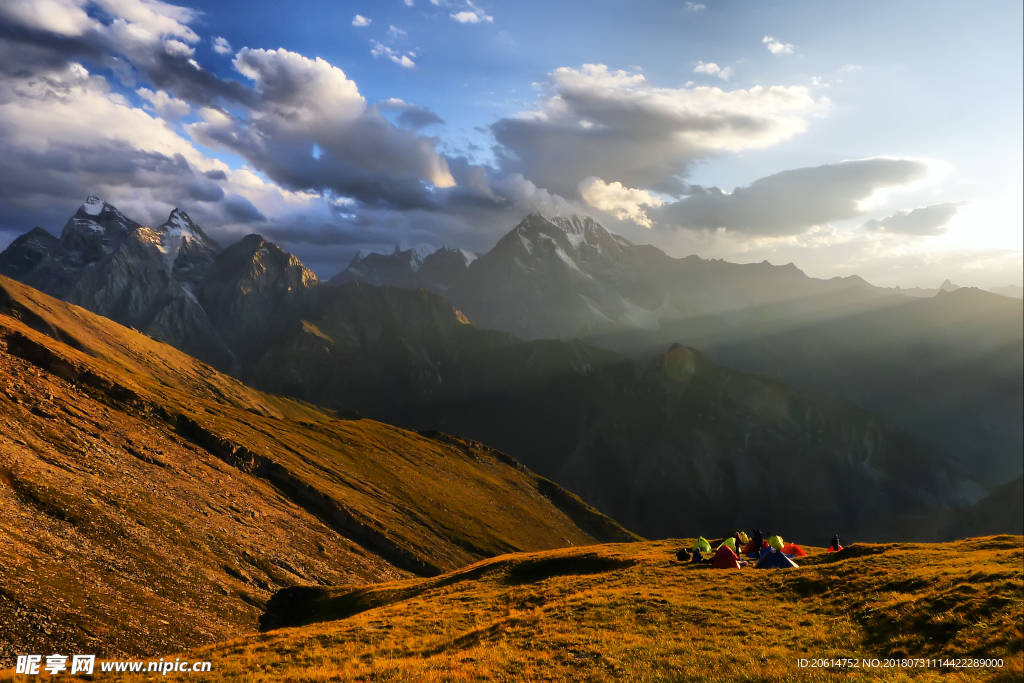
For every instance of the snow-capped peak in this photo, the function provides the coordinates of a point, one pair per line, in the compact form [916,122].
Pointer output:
[180,221]
[93,205]
[178,231]
[468,255]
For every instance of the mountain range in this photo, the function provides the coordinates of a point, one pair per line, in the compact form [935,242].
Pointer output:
[660,436]
[944,364]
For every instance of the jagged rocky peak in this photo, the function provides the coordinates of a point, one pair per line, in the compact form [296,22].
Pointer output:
[256,258]
[98,215]
[93,206]
[572,232]
[25,253]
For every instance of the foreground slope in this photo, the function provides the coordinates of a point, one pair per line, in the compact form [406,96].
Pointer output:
[148,502]
[625,613]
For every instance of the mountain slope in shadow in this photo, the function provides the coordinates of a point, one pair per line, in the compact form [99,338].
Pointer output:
[151,503]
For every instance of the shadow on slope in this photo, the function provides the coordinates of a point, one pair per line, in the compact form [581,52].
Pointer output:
[129,469]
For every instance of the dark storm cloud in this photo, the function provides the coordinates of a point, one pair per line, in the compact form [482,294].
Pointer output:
[790,202]
[926,220]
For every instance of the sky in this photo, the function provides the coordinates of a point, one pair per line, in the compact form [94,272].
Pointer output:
[879,139]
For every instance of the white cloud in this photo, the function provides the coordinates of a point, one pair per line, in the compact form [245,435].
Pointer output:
[924,220]
[221,46]
[776,47]
[394,32]
[176,48]
[713,69]
[382,50]
[163,104]
[62,17]
[409,3]
[709,68]
[304,101]
[621,201]
[360,20]
[695,7]
[642,136]
[473,15]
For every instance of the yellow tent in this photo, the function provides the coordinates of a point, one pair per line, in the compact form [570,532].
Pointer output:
[776,542]
[702,545]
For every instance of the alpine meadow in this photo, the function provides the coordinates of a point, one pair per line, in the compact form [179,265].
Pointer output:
[456,340]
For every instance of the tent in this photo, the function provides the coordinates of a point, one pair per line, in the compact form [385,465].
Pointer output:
[743,537]
[830,550]
[701,545]
[773,559]
[725,558]
[776,542]
[728,543]
[793,550]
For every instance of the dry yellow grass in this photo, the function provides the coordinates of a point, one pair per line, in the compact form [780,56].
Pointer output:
[149,503]
[623,612]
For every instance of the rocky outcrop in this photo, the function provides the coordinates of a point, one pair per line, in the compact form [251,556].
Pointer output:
[25,253]
[408,268]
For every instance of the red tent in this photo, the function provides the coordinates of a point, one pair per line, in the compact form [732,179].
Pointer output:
[725,558]
[793,549]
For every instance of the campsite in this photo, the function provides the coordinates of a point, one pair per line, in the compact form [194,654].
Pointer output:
[626,612]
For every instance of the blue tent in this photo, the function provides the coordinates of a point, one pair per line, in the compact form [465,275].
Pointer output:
[773,559]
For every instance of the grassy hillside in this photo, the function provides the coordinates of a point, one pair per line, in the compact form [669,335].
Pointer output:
[624,612]
[149,502]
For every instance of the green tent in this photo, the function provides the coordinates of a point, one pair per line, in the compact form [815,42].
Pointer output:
[729,543]
[776,542]
[744,539]
[702,545]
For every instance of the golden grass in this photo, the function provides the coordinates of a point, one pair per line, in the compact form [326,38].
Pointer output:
[149,503]
[623,612]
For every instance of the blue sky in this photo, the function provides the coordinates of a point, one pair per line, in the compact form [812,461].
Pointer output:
[883,139]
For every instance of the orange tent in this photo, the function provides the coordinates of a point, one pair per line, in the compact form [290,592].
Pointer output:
[793,549]
[830,550]
[725,558]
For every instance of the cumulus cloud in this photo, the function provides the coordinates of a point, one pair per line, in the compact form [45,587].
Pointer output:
[791,202]
[381,50]
[66,135]
[712,69]
[616,126]
[303,102]
[163,104]
[776,47]
[618,200]
[221,46]
[66,132]
[360,20]
[472,15]
[924,220]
